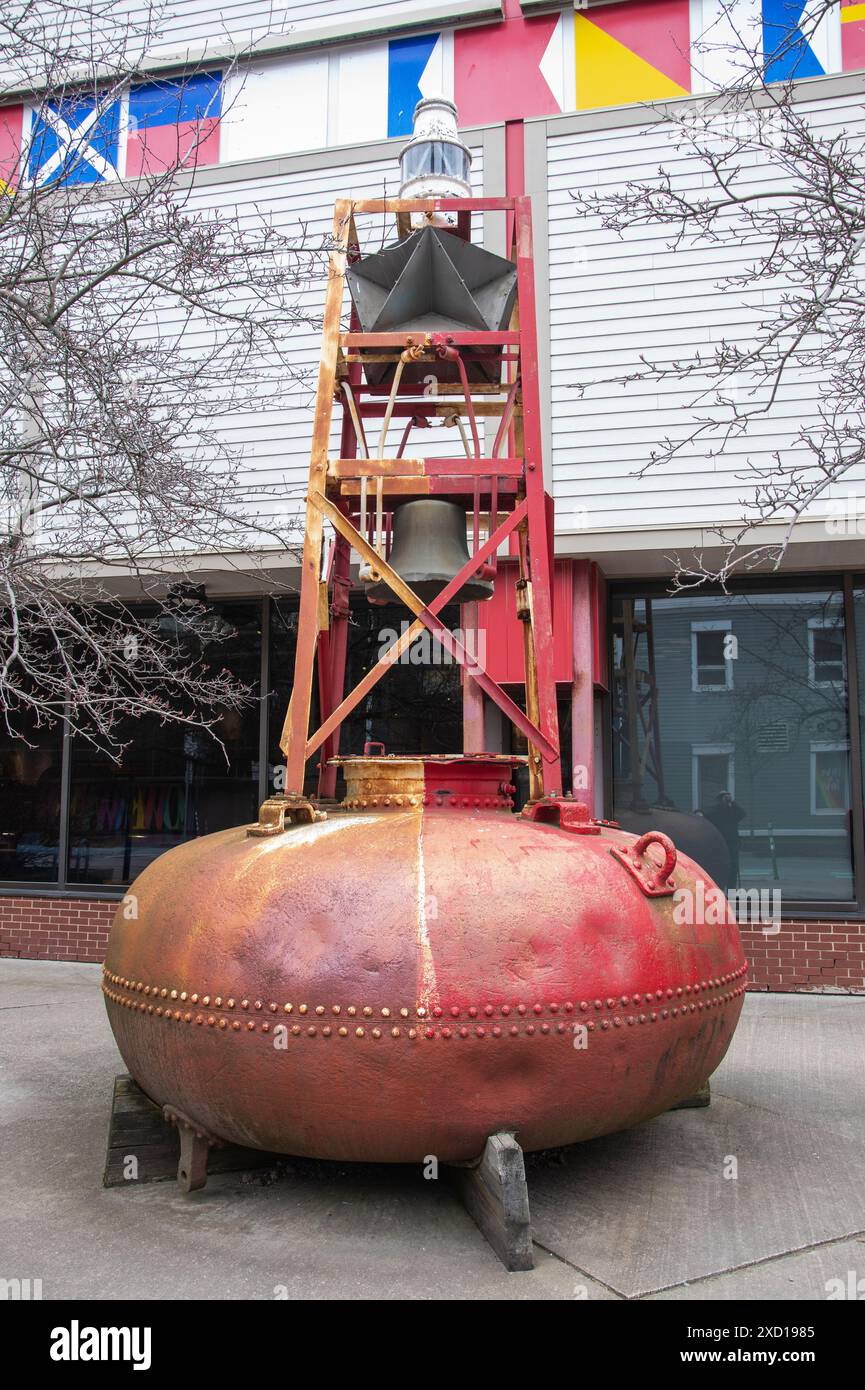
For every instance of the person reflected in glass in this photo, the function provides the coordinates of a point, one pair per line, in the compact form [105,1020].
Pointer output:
[725,814]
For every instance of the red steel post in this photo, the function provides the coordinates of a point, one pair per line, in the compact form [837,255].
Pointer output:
[540,569]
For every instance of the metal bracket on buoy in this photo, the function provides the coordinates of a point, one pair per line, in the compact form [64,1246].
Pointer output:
[572,816]
[280,813]
[195,1145]
[654,879]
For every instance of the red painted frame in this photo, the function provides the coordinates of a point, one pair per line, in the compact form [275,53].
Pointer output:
[513,484]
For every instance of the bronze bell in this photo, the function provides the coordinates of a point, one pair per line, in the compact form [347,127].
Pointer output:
[429,547]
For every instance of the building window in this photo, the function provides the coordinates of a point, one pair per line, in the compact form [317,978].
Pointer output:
[72,817]
[712,774]
[826,662]
[711,660]
[774,758]
[30,780]
[171,782]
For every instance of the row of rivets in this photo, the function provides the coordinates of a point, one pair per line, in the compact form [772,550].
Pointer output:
[487,803]
[495,1031]
[472,1011]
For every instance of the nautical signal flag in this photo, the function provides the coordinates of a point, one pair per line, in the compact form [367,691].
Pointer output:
[11,140]
[74,141]
[87,139]
[790,43]
[503,72]
[632,52]
[414,70]
[380,84]
[852,35]
[173,124]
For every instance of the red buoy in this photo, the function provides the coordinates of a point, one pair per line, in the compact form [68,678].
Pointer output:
[420,969]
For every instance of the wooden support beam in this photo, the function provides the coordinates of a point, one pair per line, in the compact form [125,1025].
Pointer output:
[496,1197]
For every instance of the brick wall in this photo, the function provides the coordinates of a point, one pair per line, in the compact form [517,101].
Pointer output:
[807,956]
[55,928]
[802,956]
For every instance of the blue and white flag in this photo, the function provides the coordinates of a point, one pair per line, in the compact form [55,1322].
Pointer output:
[75,141]
[414,71]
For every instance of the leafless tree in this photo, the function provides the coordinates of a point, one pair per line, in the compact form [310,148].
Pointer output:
[789,196]
[134,320]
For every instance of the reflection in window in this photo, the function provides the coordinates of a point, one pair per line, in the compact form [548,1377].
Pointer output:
[172,782]
[29,801]
[830,779]
[712,668]
[826,651]
[766,759]
[859,611]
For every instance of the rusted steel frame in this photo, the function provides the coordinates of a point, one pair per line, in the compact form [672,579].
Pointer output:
[433,205]
[536,772]
[440,601]
[337,644]
[457,420]
[508,410]
[412,388]
[428,487]
[449,353]
[457,652]
[296,726]
[541,569]
[356,417]
[425,468]
[409,426]
[474,337]
[391,402]
[415,389]
[494,511]
[371,410]
[474,730]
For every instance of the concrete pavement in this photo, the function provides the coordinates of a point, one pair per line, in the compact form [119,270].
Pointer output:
[760,1196]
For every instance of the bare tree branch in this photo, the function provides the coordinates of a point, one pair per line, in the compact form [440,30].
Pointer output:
[135,323]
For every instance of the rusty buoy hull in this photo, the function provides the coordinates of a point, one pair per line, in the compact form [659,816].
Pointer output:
[388,984]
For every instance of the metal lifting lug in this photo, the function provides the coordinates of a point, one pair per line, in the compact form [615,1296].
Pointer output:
[282,812]
[654,879]
[572,816]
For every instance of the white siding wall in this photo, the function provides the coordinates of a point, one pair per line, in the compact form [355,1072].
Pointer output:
[194,23]
[612,301]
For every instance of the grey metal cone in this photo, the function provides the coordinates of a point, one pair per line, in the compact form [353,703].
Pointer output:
[433,282]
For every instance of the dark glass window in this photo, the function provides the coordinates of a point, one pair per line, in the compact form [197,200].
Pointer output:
[30,767]
[735,708]
[416,706]
[171,782]
[859,611]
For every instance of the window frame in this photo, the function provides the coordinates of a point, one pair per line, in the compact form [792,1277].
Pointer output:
[711,750]
[803,581]
[816,625]
[63,886]
[709,625]
[818,746]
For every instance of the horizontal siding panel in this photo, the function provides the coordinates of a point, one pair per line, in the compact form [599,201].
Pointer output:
[613,299]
